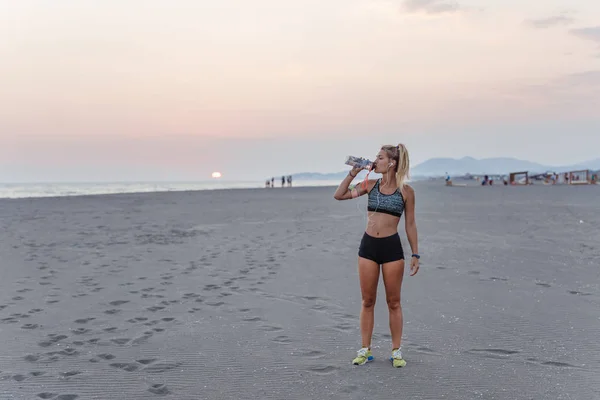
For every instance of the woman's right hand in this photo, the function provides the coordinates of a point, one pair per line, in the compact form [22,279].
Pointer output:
[355,170]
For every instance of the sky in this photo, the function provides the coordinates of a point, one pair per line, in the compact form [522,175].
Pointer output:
[113,90]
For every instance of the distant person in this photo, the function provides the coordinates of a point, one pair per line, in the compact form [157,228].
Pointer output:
[282,181]
[289,180]
[267,183]
[389,197]
[272,182]
[448,180]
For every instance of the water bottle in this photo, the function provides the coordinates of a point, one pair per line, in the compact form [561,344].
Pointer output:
[359,162]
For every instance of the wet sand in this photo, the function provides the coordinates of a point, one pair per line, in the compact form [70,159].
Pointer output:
[241,294]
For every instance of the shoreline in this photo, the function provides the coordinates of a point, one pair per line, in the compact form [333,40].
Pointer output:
[196,187]
[138,188]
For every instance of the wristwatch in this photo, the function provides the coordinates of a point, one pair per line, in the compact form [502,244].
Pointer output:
[416,256]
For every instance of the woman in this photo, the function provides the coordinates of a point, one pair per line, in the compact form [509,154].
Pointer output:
[389,197]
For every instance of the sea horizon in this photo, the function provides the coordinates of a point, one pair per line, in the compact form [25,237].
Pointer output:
[17,190]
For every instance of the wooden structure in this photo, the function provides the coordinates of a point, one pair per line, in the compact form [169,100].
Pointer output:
[582,177]
[514,175]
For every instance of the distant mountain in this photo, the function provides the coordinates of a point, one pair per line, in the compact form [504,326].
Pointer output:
[466,165]
[492,166]
[592,164]
[470,165]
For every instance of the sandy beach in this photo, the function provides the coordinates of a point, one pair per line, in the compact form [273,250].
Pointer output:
[253,294]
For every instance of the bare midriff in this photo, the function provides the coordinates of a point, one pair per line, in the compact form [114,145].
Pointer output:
[382,225]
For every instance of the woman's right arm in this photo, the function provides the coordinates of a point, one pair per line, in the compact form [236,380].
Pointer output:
[343,192]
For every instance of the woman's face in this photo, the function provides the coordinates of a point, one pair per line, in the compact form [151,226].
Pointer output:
[382,162]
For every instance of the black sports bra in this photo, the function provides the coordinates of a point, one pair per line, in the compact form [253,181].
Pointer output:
[392,204]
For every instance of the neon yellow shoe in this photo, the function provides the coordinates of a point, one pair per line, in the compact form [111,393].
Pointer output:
[363,356]
[397,360]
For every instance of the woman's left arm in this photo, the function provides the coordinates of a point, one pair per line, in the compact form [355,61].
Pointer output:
[411,228]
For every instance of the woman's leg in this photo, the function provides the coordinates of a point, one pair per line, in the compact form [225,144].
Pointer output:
[393,272]
[368,273]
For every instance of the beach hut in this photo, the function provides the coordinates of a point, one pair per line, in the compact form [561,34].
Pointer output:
[519,178]
[581,177]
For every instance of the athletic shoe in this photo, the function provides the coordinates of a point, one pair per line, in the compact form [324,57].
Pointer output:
[363,356]
[396,359]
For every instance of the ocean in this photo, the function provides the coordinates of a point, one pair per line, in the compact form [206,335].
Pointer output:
[27,190]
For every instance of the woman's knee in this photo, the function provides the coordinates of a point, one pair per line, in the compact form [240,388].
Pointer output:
[393,303]
[368,302]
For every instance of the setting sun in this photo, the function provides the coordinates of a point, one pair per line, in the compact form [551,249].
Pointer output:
[216,175]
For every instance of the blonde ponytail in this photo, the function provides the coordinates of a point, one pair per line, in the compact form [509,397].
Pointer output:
[402,166]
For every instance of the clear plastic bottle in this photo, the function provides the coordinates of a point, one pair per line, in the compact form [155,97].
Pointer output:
[359,162]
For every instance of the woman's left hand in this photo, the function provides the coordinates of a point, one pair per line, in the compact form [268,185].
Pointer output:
[414,266]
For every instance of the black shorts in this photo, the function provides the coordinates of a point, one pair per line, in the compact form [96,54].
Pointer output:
[381,250]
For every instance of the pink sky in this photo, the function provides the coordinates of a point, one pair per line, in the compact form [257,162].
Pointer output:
[195,80]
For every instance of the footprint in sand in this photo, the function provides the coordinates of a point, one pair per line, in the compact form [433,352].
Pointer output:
[52,339]
[66,375]
[575,292]
[271,328]
[312,354]
[323,369]
[556,364]
[281,339]
[18,378]
[546,285]
[161,366]
[146,361]
[492,353]
[80,331]
[137,319]
[129,367]
[142,339]
[47,395]
[426,350]
[120,341]
[66,397]
[159,389]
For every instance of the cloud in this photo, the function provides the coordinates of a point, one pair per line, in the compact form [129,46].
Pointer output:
[544,23]
[591,33]
[431,6]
